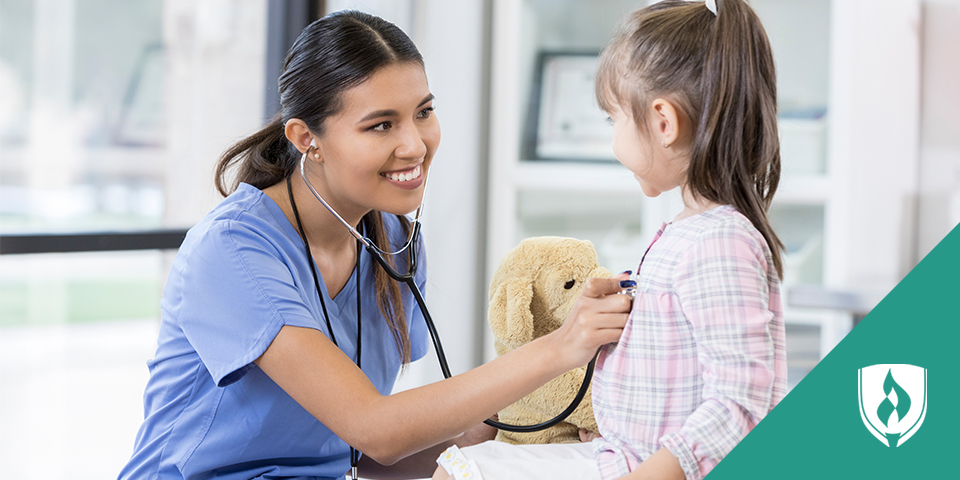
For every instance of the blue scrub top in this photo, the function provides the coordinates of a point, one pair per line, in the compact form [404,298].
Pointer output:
[210,412]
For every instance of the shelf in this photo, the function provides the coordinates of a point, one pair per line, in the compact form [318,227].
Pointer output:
[603,177]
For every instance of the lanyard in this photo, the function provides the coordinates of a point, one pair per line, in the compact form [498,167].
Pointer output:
[354,454]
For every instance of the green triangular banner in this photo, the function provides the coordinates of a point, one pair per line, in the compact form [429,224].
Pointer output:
[816,432]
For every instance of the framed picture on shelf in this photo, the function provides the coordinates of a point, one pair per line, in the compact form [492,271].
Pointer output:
[564,121]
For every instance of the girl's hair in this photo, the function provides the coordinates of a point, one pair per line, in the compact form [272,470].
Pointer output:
[718,70]
[331,55]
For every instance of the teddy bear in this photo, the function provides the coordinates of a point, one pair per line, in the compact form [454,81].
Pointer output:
[532,292]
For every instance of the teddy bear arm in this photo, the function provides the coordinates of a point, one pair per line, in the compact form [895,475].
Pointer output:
[528,412]
[582,416]
[522,414]
[555,396]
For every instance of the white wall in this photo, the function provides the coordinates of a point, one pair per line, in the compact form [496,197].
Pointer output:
[874,132]
[451,37]
[939,208]
[214,85]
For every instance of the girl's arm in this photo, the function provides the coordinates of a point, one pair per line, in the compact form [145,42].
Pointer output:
[662,465]
[306,364]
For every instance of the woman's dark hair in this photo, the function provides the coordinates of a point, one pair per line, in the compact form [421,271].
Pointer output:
[331,55]
[719,72]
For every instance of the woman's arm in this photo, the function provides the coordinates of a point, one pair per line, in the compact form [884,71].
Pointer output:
[313,371]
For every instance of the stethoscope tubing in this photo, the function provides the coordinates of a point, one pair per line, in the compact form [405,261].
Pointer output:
[408,279]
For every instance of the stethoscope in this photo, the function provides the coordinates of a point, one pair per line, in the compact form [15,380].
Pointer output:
[408,278]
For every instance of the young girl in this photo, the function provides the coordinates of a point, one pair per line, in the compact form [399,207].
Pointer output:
[258,370]
[691,90]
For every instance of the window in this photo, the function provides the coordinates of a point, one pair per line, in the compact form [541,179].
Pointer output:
[112,116]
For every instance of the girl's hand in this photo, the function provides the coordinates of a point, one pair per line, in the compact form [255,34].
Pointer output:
[587,435]
[597,318]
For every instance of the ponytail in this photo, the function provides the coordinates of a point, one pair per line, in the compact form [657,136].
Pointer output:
[718,69]
[736,152]
[389,306]
[264,158]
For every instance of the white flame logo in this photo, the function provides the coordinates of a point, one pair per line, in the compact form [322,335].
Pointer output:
[893,401]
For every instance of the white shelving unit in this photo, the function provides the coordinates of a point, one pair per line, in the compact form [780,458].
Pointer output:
[841,157]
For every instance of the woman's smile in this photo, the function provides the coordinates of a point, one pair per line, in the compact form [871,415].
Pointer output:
[407,179]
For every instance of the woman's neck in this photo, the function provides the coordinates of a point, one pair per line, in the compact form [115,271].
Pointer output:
[333,248]
[323,230]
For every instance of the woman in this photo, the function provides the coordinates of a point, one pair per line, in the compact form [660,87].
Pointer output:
[256,373]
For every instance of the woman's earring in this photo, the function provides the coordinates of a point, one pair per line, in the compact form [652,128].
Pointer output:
[663,143]
[316,155]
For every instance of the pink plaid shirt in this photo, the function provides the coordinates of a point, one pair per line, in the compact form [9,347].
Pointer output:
[703,357]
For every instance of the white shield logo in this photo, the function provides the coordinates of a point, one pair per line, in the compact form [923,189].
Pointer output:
[893,401]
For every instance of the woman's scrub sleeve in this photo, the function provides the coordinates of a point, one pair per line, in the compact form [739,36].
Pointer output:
[238,293]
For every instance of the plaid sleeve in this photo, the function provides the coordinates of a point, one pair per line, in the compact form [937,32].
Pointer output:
[721,284]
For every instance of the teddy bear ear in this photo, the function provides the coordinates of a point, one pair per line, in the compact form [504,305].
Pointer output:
[510,317]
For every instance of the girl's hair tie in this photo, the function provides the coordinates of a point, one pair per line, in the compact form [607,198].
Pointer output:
[712,6]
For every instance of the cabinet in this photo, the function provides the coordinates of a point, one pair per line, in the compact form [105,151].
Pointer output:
[839,63]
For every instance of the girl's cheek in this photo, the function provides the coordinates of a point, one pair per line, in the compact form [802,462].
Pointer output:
[618,150]
[624,160]
[626,155]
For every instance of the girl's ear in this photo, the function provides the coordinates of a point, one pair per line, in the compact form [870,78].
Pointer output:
[666,122]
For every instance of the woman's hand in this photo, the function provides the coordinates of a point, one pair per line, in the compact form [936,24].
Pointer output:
[597,318]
